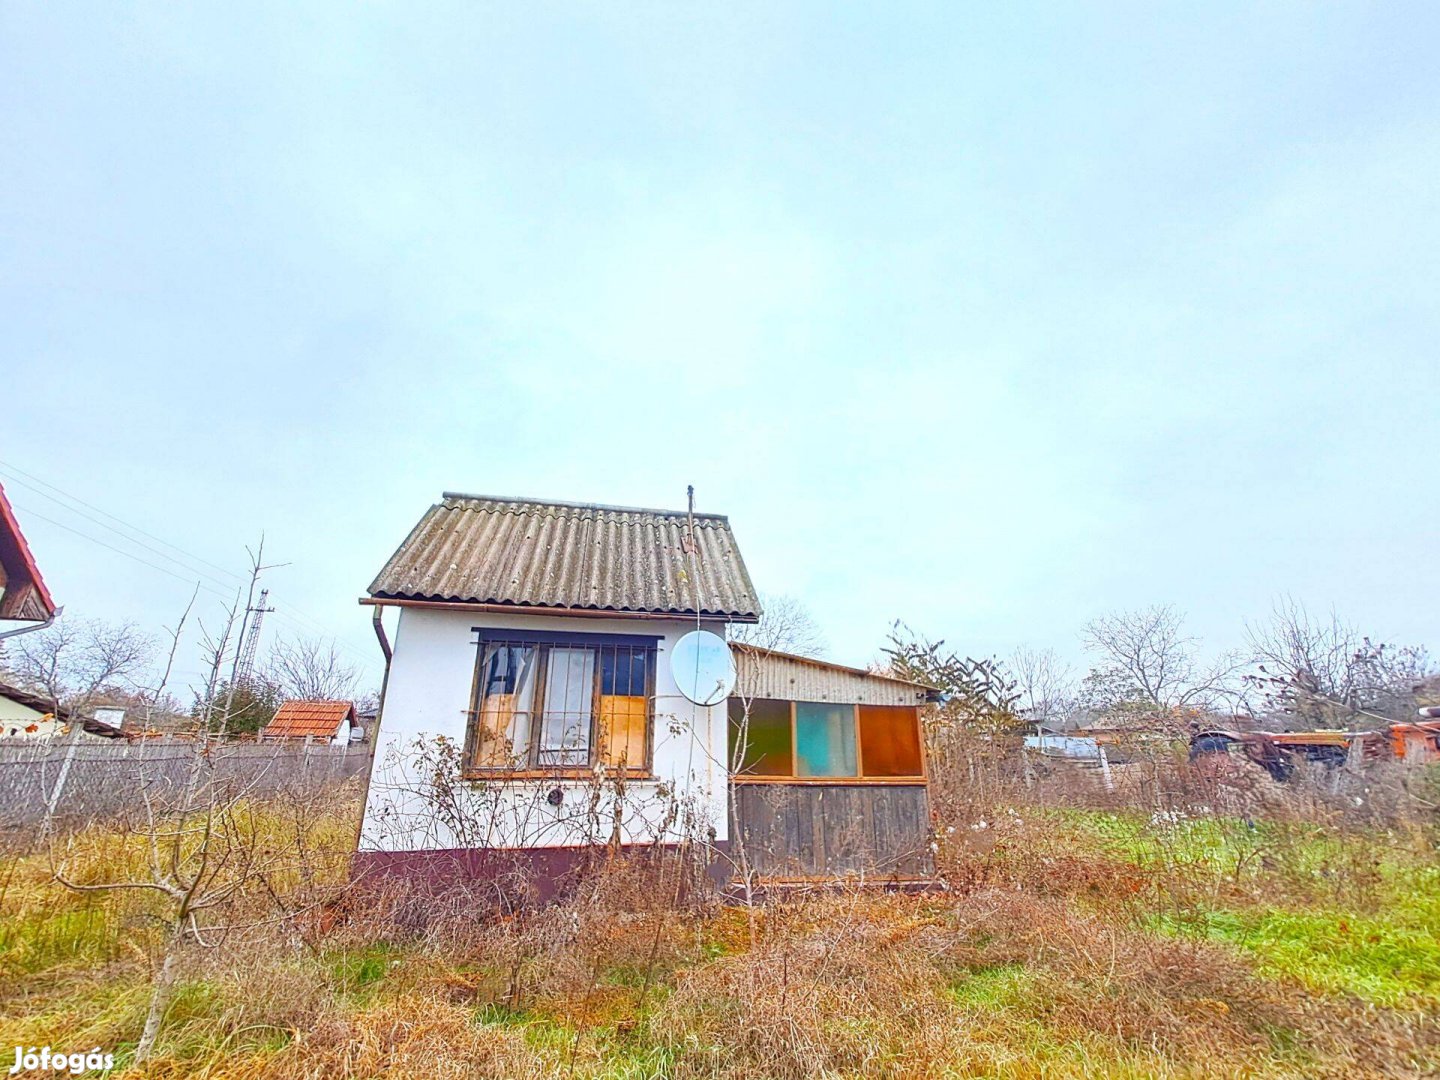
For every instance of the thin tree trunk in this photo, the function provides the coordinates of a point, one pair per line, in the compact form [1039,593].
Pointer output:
[160,996]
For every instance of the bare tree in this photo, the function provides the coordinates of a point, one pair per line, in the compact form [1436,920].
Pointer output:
[310,669]
[1045,685]
[785,626]
[179,866]
[972,733]
[975,695]
[1318,670]
[74,661]
[1148,661]
[205,856]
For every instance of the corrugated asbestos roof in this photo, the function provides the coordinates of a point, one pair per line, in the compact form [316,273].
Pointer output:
[486,550]
[316,719]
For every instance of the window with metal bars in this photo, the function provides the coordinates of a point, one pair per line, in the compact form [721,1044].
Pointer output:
[550,703]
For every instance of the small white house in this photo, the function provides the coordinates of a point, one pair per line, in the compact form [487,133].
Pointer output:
[529,705]
[532,649]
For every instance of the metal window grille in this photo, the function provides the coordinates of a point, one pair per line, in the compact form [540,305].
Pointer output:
[561,704]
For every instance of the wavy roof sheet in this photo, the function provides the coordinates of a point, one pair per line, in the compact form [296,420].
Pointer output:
[556,555]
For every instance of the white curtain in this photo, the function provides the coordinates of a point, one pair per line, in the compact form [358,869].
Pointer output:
[568,706]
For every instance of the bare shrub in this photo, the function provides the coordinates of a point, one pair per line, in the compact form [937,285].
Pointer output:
[822,996]
[407,1035]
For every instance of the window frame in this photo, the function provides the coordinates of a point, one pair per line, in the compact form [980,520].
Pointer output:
[544,641]
[922,777]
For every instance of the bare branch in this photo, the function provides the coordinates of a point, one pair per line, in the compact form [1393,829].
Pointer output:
[785,626]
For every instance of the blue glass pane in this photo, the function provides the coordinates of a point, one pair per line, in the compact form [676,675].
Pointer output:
[622,670]
[824,739]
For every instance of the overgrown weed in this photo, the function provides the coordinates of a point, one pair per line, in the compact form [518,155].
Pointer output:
[1110,941]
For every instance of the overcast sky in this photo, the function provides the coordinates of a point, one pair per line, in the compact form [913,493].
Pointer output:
[987,317]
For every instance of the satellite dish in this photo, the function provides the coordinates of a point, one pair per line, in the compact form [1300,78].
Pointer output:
[703,668]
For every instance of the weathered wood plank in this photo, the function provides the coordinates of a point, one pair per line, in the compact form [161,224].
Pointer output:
[834,830]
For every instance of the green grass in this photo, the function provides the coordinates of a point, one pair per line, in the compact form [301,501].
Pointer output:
[77,933]
[1336,953]
[358,972]
[1002,986]
[1339,913]
[502,1015]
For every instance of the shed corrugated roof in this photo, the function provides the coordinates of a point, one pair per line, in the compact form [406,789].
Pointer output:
[768,673]
[557,555]
[316,719]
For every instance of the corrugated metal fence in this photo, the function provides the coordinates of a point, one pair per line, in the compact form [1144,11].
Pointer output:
[78,779]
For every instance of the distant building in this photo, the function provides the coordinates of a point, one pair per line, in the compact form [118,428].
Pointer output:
[27,716]
[24,715]
[330,722]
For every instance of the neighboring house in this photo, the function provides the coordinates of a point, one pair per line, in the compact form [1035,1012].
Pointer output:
[25,605]
[531,658]
[27,716]
[365,720]
[24,715]
[23,595]
[330,722]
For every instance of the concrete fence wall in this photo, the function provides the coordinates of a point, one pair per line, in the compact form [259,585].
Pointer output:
[74,779]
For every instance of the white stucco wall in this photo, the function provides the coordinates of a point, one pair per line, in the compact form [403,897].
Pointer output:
[428,695]
[15,711]
[18,716]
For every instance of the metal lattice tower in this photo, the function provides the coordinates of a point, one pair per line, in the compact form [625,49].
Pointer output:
[252,638]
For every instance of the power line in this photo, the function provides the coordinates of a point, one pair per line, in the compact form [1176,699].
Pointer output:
[118,551]
[303,621]
[133,528]
[117,532]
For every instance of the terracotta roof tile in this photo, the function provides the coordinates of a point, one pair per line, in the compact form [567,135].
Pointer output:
[316,719]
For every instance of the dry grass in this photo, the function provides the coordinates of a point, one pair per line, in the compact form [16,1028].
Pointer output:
[1070,944]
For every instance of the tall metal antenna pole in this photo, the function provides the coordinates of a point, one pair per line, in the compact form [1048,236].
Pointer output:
[691,548]
[687,542]
[252,638]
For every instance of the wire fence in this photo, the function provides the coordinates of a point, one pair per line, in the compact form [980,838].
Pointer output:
[79,779]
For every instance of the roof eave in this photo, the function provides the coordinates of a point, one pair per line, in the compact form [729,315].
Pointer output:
[540,609]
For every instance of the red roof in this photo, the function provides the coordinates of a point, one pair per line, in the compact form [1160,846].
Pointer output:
[26,596]
[315,719]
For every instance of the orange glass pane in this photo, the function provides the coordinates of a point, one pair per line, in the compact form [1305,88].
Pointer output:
[890,740]
[622,731]
[497,713]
